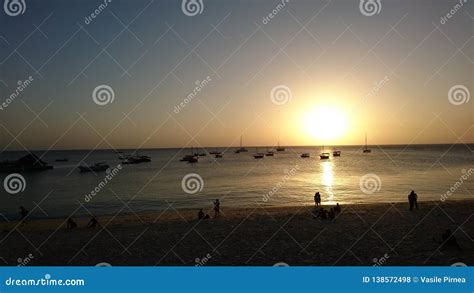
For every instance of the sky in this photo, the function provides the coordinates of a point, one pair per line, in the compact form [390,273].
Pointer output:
[315,72]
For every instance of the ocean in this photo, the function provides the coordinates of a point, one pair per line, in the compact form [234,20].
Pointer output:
[387,174]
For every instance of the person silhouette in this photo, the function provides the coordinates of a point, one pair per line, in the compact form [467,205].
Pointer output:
[71,224]
[337,208]
[93,223]
[23,214]
[448,240]
[217,208]
[200,214]
[413,200]
[317,199]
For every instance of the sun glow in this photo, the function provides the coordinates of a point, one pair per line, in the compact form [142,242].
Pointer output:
[325,123]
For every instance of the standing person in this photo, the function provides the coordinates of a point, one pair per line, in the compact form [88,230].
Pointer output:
[413,200]
[217,208]
[317,199]
[23,214]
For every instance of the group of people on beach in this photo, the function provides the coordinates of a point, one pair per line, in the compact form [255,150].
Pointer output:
[217,211]
[322,213]
[71,224]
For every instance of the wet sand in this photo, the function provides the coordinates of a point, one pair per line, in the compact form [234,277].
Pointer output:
[363,234]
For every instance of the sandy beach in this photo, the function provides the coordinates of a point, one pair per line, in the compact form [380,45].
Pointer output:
[364,234]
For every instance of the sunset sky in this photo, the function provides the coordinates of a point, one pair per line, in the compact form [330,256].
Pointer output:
[388,74]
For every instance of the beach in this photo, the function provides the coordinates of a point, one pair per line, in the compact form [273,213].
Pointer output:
[361,235]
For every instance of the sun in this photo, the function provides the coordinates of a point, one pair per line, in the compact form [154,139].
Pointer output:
[325,123]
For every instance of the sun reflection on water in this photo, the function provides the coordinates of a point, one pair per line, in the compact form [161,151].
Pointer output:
[327,178]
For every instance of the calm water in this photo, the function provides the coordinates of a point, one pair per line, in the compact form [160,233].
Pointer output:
[242,181]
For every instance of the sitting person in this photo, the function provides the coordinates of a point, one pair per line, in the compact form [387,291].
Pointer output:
[93,223]
[448,240]
[202,216]
[332,214]
[323,214]
[71,224]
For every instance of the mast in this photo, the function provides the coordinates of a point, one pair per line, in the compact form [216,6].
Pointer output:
[366,140]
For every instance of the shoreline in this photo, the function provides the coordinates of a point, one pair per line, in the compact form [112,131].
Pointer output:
[360,234]
[193,211]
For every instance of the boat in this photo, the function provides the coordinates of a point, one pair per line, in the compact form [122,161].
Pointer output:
[241,149]
[219,155]
[305,155]
[336,153]
[259,155]
[324,155]
[62,160]
[134,159]
[100,166]
[190,159]
[269,153]
[366,149]
[27,163]
[216,152]
[279,148]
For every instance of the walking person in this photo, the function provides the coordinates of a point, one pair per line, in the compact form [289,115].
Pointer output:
[217,208]
[413,200]
[317,199]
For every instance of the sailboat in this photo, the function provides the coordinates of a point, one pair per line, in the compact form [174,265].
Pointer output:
[366,150]
[259,155]
[324,155]
[190,158]
[241,149]
[279,148]
[269,153]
